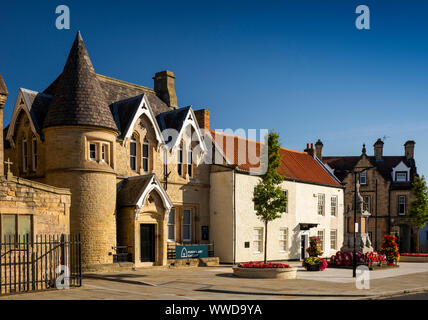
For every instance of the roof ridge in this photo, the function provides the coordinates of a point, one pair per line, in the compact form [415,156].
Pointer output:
[129,84]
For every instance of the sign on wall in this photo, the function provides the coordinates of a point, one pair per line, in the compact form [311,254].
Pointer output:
[191,252]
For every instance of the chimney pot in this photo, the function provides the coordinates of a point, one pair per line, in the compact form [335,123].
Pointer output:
[409,149]
[318,149]
[378,149]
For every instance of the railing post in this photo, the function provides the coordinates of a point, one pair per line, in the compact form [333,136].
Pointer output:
[62,250]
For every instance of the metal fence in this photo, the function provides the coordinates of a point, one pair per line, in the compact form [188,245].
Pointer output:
[29,263]
[172,249]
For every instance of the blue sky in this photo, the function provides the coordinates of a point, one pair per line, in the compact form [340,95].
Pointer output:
[299,67]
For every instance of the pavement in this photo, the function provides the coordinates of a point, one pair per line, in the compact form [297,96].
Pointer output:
[218,283]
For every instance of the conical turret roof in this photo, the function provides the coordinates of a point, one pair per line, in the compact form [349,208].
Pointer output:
[78,98]
[3,88]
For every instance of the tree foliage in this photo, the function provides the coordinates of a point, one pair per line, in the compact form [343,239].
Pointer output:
[418,210]
[269,199]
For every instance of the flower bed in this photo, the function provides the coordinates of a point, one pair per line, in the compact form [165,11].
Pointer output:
[263,265]
[270,270]
[345,259]
[414,257]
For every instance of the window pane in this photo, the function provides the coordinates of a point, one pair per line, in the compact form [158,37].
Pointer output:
[171,217]
[9,225]
[171,232]
[24,225]
[92,151]
[145,150]
[186,217]
[186,232]
[145,164]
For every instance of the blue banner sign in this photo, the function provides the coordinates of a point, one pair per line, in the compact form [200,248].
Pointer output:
[191,252]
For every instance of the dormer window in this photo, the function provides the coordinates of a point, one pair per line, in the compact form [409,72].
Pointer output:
[34,153]
[146,156]
[363,178]
[133,153]
[401,176]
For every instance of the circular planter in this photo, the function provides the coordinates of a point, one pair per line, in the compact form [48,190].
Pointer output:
[265,273]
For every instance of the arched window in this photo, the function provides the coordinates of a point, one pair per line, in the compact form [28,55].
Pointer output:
[180,161]
[145,155]
[133,153]
[24,154]
[34,155]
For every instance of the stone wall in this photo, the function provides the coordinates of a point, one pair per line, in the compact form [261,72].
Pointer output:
[49,206]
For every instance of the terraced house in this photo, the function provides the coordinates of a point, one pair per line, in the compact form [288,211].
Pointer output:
[102,139]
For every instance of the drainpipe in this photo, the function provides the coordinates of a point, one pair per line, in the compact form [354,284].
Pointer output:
[234,216]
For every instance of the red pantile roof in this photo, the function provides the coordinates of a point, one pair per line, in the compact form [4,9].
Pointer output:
[295,165]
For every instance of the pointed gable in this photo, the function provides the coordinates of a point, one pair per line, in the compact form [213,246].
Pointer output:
[78,98]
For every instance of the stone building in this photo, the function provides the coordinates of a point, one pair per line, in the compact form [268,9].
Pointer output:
[125,152]
[314,208]
[29,207]
[385,185]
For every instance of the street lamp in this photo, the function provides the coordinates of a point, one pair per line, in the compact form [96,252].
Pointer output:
[354,268]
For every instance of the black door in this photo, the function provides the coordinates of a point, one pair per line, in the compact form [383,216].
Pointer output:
[302,245]
[147,242]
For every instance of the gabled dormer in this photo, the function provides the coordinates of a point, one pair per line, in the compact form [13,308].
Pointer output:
[400,173]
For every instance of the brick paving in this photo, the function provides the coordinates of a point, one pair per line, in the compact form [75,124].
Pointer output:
[212,283]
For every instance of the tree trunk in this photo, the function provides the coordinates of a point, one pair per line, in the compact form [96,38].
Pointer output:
[266,223]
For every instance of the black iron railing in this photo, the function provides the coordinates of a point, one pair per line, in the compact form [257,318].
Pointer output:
[29,263]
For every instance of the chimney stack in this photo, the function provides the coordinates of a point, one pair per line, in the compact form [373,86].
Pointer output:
[3,96]
[409,149]
[203,118]
[164,85]
[310,150]
[318,149]
[378,149]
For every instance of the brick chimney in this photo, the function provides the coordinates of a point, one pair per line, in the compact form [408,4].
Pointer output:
[318,149]
[378,149]
[409,149]
[203,118]
[3,96]
[164,85]
[310,149]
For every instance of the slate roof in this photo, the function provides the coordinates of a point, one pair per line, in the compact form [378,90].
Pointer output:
[342,165]
[3,88]
[172,119]
[295,165]
[132,189]
[38,104]
[79,98]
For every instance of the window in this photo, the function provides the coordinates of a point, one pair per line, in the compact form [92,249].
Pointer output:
[258,240]
[187,225]
[93,151]
[283,237]
[401,176]
[24,155]
[363,178]
[321,203]
[146,156]
[171,225]
[333,208]
[133,154]
[104,153]
[190,163]
[286,195]
[180,161]
[13,225]
[366,203]
[34,153]
[321,239]
[401,205]
[333,239]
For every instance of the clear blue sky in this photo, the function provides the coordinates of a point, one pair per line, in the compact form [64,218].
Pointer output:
[300,67]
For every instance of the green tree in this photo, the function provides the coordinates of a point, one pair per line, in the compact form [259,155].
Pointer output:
[269,199]
[418,210]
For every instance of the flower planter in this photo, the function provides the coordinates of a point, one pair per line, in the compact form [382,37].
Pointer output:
[313,267]
[265,273]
